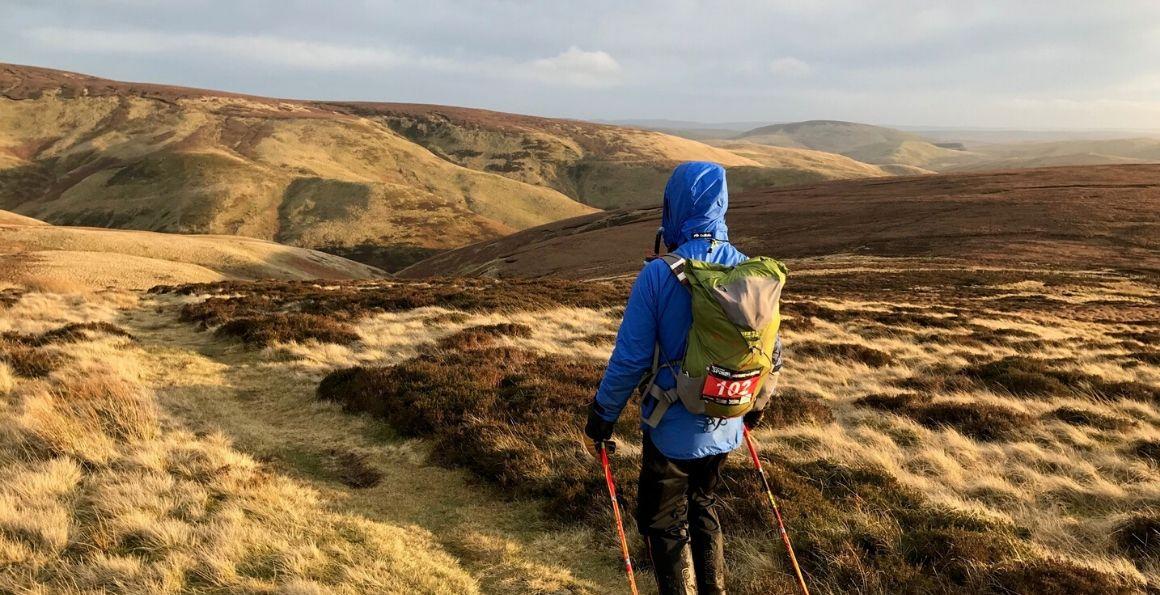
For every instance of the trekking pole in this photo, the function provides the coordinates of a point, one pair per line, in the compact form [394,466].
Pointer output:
[616,515]
[776,512]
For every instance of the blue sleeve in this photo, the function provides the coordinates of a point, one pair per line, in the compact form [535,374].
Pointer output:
[632,357]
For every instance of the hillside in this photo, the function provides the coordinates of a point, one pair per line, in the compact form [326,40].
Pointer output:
[599,165]
[828,164]
[382,183]
[1064,152]
[63,258]
[9,218]
[968,406]
[1082,216]
[85,151]
[863,142]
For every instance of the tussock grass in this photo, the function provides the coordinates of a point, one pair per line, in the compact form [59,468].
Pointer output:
[476,337]
[1050,576]
[10,296]
[794,406]
[1052,448]
[28,361]
[491,421]
[98,493]
[981,421]
[85,414]
[1139,535]
[851,352]
[69,333]
[1149,450]
[1086,417]
[355,300]
[1138,337]
[1029,377]
[1024,376]
[506,414]
[1145,357]
[265,330]
[599,339]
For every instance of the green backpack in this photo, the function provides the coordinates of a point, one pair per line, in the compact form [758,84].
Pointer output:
[727,369]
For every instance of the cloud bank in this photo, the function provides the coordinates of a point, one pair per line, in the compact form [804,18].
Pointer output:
[990,63]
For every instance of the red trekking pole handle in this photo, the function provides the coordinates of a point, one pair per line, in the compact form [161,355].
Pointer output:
[616,515]
[776,512]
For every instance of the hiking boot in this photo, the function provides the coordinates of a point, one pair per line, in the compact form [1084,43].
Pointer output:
[673,566]
[709,561]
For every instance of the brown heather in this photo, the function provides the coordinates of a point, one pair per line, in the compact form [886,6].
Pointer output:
[443,420]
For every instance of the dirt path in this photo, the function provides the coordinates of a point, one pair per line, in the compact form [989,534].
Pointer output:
[269,411]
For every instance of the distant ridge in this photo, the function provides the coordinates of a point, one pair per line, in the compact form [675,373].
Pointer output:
[1070,216]
[863,142]
[385,183]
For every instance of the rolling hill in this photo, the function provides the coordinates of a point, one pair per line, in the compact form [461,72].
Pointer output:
[831,165]
[85,151]
[1065,152]
[968,406]
[863,142]
[47,256]
[598,165]
[384,183]
[1083,216]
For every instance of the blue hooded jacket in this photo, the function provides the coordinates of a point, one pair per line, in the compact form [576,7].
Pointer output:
[660,309]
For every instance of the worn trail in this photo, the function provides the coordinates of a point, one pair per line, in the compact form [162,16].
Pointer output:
[269,411]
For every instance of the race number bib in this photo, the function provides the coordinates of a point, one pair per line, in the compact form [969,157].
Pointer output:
[729,387]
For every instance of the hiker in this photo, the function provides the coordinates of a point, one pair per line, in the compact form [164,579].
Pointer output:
[683,452]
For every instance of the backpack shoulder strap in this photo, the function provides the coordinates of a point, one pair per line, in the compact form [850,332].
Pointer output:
[677,266]
[663,399]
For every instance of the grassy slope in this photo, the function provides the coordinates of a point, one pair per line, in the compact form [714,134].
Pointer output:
[924,440]
[1070,152]
[863,142]
[1075,215]
[140,455]
[601,165]
[387,183]
[74,257]
[231,165]
[944,427]
[10,218]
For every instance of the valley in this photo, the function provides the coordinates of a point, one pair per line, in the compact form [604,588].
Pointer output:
[386,184]
[969,405]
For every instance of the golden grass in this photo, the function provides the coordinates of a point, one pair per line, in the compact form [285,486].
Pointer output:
[831,166]
[100,492]
[57,259]
[264,400]
[1062,482]
[214,467]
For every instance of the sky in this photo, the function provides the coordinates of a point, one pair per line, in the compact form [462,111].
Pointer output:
[1024,64]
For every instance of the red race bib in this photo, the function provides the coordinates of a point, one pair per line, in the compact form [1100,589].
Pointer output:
[729,387]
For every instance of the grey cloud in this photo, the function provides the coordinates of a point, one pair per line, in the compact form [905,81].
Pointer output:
[986,63]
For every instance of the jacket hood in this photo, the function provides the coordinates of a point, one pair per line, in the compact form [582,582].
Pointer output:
[695,203]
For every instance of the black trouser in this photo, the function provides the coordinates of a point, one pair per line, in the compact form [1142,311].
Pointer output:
[676,509]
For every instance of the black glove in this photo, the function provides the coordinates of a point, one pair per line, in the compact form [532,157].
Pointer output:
[597,428]
[598,431]
[753,418]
